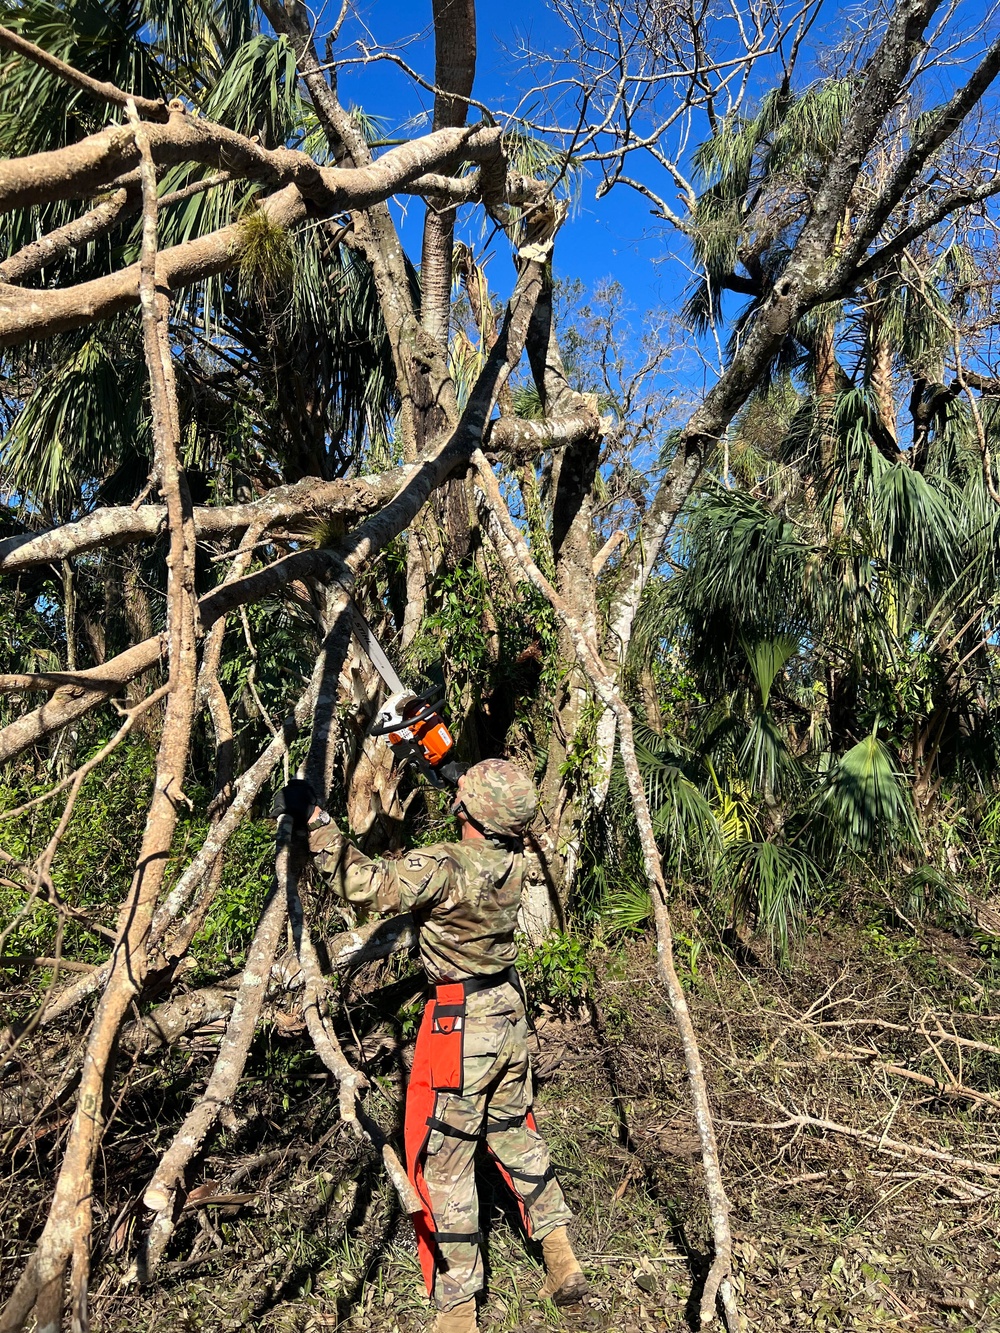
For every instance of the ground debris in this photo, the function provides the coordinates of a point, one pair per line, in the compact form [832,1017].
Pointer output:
[288,1225]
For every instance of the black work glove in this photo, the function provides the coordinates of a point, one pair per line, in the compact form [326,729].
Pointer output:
[297,799]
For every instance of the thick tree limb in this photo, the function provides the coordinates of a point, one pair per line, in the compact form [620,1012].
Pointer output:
[120,207]
[169,1022]
[45,681]
[55,245]
[515,188]
[351,949]
[83,168]
[305,501]
[25,315]
[525,439]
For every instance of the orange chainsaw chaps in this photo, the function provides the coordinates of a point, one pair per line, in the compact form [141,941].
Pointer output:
[437,1067]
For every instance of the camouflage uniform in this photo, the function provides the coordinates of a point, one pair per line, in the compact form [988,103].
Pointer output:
[471,1075]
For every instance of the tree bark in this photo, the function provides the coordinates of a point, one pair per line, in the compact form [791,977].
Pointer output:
[66,1234]
[572,540]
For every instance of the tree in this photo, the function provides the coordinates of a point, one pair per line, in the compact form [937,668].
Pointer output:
[433,432]
[319,448]
[809,200]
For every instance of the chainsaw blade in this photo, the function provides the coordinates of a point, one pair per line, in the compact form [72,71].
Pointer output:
[375,652]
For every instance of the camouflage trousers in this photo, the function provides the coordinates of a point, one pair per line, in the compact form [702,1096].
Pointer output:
[485,1100]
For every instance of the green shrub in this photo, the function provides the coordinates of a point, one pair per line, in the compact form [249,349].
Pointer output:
[557,972]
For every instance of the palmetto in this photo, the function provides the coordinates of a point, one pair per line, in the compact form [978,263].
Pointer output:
[284,364]
[824,639]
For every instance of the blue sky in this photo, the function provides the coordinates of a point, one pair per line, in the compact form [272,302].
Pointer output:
[613,237]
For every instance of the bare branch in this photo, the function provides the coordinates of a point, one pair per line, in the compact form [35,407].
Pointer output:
[107,92]
[516,557]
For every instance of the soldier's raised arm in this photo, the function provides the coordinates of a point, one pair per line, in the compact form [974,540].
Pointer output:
[414,880]
[386,886]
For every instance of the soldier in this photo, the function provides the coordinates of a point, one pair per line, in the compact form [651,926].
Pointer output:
[471,1077]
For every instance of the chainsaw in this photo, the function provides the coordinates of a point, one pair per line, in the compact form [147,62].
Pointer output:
[411,722]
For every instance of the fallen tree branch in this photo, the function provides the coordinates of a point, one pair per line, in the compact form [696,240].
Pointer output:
[880,1142]
[305,502]
[169,1022]
[161,1194]
[515,556]
[34,960]
[914,1029]
[861,1055]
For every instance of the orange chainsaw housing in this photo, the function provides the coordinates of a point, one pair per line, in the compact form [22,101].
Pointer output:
[430,734]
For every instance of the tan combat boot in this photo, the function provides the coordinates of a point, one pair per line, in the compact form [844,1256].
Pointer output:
[564,1282]
[459,1319]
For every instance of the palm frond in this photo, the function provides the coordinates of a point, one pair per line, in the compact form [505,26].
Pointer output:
[84,419]
[919,523]
[865,801]
[770,883]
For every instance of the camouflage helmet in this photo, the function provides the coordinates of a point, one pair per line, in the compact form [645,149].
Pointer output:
[498,797]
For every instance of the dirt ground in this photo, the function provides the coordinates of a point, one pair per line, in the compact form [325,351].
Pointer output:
[857,1097]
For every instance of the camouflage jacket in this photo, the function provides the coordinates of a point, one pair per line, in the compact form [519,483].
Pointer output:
[464,898]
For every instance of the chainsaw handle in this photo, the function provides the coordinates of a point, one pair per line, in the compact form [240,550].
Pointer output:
[428,710]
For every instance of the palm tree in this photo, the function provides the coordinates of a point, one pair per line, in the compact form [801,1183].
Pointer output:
[284,369]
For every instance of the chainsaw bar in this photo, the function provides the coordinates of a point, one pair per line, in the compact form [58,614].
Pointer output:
[412,723]
[375,651]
